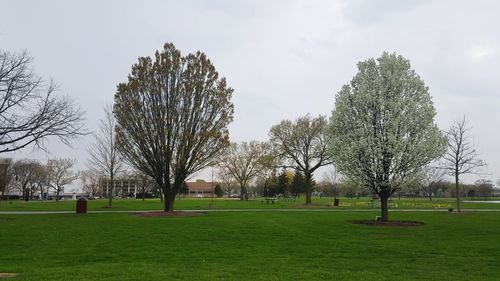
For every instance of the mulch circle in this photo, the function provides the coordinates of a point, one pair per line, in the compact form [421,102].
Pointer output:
[169,214]
[388,223]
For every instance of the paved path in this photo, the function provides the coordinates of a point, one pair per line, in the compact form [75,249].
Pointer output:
[242,210]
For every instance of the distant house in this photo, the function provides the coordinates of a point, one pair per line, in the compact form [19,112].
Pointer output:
[200,189]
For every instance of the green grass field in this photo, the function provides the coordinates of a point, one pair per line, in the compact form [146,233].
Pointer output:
[224,203]
[250,246]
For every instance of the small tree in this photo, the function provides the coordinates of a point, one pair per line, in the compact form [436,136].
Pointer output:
[226,179]
[303,145]
[218,191]
[382,127]
[145,183]
[332,177]
[461,157]
[59,174]
[30,110]
[432,176]
[283,183]
[25,173]
[105,158]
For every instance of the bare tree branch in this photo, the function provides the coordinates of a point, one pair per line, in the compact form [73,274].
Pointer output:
[105,159]
[30,111]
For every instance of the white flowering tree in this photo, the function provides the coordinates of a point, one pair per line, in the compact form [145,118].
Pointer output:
[382,128]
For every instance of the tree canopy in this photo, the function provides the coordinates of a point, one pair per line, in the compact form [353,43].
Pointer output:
[172,116]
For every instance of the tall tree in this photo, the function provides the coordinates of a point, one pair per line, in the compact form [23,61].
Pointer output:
[104,155]
[382,126]
[60,174]
[172,116]
[30,110]
[303,145]
[462,156]
[245,161]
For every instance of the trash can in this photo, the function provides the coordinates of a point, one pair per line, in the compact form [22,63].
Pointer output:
[81,206]
[336,202]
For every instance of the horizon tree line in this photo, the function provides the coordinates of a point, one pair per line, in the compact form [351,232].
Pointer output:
[170,120]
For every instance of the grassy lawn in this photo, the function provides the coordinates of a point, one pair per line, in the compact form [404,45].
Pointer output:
[224,203]
[250,246]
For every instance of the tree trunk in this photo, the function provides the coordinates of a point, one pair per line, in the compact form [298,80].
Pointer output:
[169,202]
[112,185]
[384,208]
[143,195]
[457,193]
[57,194]
[308,188]
[243,193]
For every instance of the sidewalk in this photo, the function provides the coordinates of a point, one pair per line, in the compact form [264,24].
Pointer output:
[242,210]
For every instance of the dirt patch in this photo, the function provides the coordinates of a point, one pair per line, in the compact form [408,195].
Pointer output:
[5,275]
[5,219]
[388,223]
[169,214]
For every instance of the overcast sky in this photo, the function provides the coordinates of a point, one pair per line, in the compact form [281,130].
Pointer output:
[283,58]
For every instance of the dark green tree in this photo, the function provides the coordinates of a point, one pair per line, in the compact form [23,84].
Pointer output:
[218,191]
[283,184]
[298,183]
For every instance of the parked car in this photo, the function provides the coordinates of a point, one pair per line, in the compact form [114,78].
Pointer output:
[234,195]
